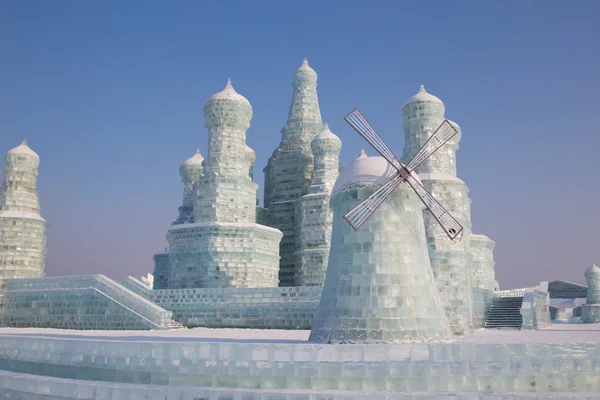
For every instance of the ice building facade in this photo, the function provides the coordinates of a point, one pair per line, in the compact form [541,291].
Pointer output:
[379,286]
[289,169]
[223,246]
[314,218]
[22,229]
[450,260]
[590,311]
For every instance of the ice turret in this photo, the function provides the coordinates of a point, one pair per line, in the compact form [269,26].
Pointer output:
[379,286]
[22,229]
[288,171]
[224,247]
[590,312]
[483,275]
[190,172]
[450,260]
[313,215]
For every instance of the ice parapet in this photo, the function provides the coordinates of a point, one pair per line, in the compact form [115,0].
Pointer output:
[313,216]
[288,171]
[379,287]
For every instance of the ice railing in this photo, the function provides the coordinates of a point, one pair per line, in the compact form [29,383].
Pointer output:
[511,293]
[119,293]
[535,309]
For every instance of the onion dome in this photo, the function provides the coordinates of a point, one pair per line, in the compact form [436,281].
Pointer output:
[326,134]
[367,170]
[592,270]
[228,107]
[191,169]
[305,74]
[23,150]
[196,159]
[423,97]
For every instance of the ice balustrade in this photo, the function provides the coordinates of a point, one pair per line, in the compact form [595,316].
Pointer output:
[536,307]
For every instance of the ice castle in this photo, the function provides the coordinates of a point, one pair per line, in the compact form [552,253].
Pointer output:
[387,311]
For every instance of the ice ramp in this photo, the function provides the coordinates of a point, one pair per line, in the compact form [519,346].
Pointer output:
[88,302]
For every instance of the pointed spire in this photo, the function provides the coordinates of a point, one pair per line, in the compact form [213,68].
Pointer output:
[325,125]
[24,142]
[231,86]
[422,89]
[363,154]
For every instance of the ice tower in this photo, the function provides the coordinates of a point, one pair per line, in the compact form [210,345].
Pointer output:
[379,286]
[482,263]
[313,216]
[590,311]
[289,169]
[450,260]
[224,247]
[22,229]
[190,172]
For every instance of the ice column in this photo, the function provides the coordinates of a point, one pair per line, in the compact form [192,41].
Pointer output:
[379,286]
[22,229]
[224,247]
[482,263]
[288,171]
[590,311]
[313,216]
[161,269]
[450,260]
[190,172]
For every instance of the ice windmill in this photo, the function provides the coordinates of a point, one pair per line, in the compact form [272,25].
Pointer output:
[359,214]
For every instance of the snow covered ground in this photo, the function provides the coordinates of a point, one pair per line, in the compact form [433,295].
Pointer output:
[557,333]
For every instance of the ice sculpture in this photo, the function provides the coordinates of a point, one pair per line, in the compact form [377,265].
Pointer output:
[422,114]
[379,286]
[22,229]
[313,216]
[161,269]
[482,263]
[590,311]
[289,169]
[190,172]
[224,247]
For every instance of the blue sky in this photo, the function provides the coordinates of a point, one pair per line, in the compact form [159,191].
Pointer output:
[110,94]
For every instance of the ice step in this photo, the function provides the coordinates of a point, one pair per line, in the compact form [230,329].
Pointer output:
[505,312]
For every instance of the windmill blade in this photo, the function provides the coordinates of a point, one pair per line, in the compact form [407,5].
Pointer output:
[442,134]
[443,217]
[360,124]
[359,214]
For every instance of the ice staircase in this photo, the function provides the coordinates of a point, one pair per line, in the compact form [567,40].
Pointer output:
[505,312]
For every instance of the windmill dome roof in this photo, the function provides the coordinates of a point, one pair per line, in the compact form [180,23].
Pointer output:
[196,159]
[326,134]
[423,97]
[368,170]
[228,94]
[593,269]
[23,149]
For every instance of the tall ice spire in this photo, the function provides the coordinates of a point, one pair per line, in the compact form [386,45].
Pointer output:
[22,229]
[288,171]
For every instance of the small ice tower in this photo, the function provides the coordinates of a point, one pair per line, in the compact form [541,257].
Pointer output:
[314,218]
[482,263]
[22,229]
[190,172]
[224,247]
[450,259]
[379,286]
[590,311]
